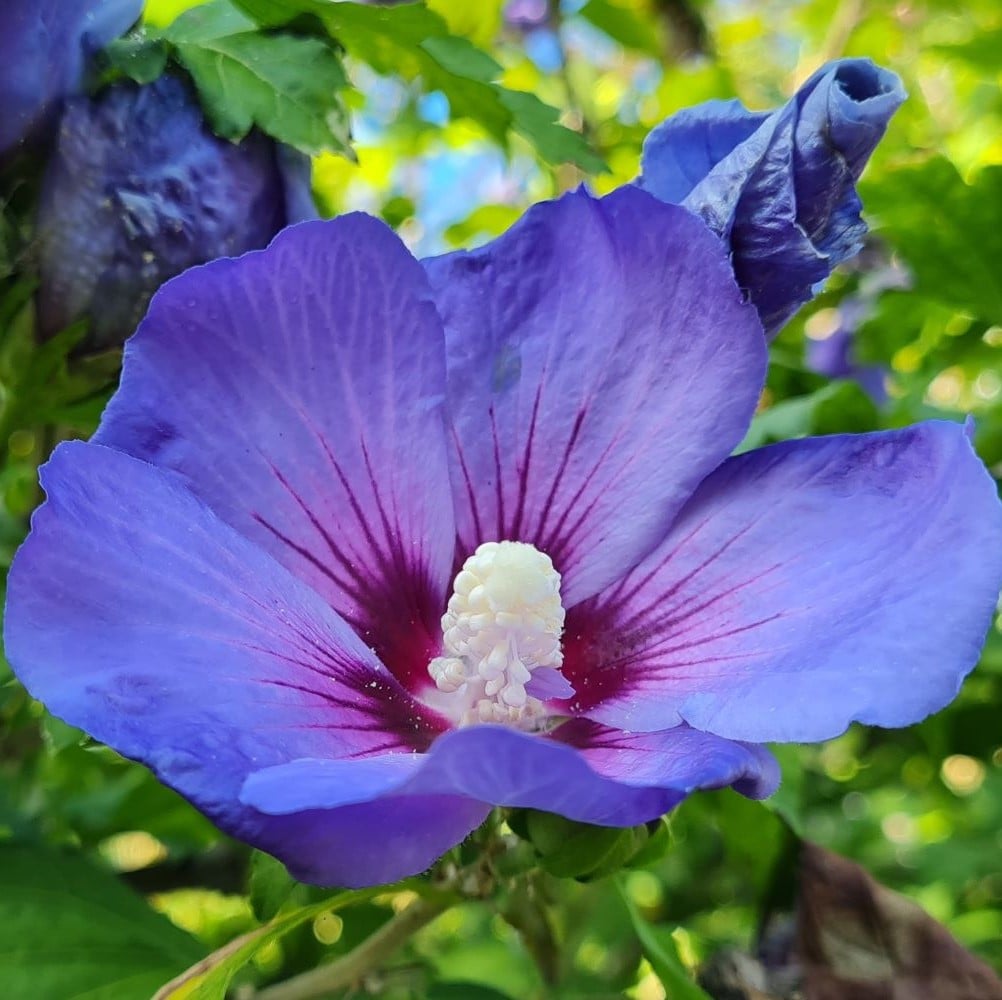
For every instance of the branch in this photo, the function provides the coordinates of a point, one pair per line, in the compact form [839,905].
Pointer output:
[688,35]
[369,955]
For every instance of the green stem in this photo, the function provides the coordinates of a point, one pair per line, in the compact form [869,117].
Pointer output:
[575,105]
[843,23]
[525,910]
[368,956]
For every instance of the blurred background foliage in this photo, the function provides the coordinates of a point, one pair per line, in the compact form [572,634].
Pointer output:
[915,328]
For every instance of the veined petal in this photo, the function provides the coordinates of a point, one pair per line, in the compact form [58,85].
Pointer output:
[299,391]
[370,843]
[136,614]
[587,773]
[601,363]
[684,148]
[804,586]
[689,757]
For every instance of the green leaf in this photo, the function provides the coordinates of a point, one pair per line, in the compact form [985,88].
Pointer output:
[461,58]
[484,222]
[72,930]
[412,42]
[659,949]
[837,408]
[44,383]
[272,888]
[788,800]
[138,56]
[659,841]
[274,13]
[287,85]
[480,22]
[624,25]
[537,122]
[210,978]
[270,885]
[948,231]
[569,849]
[60,735]
[981,51]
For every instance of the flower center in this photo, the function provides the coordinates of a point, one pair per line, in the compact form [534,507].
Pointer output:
[502,625]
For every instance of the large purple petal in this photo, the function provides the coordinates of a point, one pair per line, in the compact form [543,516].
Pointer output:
[805,585]
[684,756]
[371,843]
[587,773]
[299,392]
[779,188]
[136,614]
[601,363]
[43,47]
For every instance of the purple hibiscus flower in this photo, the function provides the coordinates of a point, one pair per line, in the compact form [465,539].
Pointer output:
[779,187]
[364,548]
[44,45]
[139,188]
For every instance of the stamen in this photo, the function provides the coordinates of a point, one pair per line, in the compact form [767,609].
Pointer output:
[504,620]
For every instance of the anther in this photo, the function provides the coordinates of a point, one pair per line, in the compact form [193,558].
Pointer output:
[504,620]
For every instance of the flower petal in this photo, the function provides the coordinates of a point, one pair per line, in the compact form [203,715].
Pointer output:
[601,363]
[299,392]
[371,843]
[804,586]
[683,149]
[586,772]
[779,188]
[136,614]
[695,760]
[43,45]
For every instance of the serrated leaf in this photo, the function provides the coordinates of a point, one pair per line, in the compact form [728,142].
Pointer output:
[72,930]
[537,122]
[286,85]
[411,41]
[461,58]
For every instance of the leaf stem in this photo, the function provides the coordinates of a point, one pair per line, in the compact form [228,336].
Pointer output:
[525,910]
[369,955]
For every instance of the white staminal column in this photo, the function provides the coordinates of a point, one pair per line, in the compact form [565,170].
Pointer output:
[504,621]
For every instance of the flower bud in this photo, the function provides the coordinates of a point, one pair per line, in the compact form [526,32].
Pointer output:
[138,189]
[778,187]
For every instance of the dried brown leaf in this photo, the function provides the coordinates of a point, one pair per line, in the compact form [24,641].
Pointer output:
[857,940]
